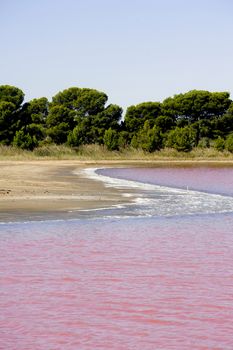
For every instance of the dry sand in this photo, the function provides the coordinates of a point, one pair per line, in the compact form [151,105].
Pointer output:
[33,189]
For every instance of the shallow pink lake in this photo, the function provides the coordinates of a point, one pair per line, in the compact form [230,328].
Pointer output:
[158,282]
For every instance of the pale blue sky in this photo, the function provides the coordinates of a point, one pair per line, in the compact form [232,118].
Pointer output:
[133,50]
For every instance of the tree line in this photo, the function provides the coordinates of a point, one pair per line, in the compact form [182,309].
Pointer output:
[79,116]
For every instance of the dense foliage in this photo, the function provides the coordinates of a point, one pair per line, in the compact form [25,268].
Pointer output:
[78,116]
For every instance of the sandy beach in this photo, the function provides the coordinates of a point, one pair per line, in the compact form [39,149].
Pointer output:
[48,188]
[38,188]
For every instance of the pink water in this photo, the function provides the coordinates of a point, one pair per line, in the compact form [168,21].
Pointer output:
[202,178]
[140,283]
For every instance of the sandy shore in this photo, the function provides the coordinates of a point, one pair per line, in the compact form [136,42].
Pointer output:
[33,189]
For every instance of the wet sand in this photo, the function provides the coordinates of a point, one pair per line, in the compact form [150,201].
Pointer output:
[33,189]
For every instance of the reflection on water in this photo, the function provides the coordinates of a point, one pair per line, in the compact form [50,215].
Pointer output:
[138,283]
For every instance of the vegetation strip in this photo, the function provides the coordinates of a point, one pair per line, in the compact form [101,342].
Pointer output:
[78,121]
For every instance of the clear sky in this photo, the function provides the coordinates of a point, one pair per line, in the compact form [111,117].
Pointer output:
[133,50]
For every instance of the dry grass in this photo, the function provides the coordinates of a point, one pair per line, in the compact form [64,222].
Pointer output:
[98,153]
[9,152]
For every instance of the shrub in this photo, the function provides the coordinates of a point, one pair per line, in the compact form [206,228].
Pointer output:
[219,144]
[24,141]
[182,139]
[148,139]
[204,142]
[134,142]
[111,139]
[229,143]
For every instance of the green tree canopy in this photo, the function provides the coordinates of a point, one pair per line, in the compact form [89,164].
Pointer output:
[224,124]
[11,99]
[60,114]
[7,114]
[59,133]
[84,133]
[164,123]
[109,117]
[11,94]
[197,104]
[136,116]
[82,100]
[84,110]
[60,122]
[81,116]
[38,110]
